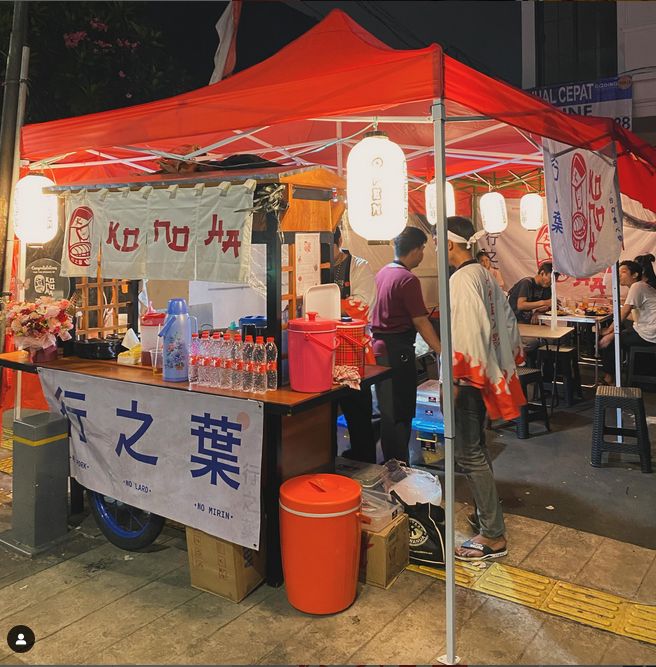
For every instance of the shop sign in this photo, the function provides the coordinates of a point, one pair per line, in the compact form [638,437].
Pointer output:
[585,212]
[191,457]
[43,278]
[609,98]
[200,233]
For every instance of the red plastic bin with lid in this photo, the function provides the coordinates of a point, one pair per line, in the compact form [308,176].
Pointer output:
[320,541]
[311,347]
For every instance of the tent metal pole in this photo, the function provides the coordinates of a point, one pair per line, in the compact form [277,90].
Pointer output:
[340,149]
[439,116]
[617,325]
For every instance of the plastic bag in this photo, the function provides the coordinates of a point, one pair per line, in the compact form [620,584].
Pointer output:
[411,485]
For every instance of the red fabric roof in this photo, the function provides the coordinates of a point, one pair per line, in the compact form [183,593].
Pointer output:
[335,69]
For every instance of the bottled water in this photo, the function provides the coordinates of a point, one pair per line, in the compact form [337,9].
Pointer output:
[226,374]
[260,379]
[237,348]
[203,372]
[259,355]
[215,370]
[272,375]
[247,350]
[271,350]
[194,351]
[226,346]
[215,345]
[247,378]
[237,375]
[204,344]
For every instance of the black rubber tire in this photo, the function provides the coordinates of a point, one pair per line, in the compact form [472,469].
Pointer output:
[142,527]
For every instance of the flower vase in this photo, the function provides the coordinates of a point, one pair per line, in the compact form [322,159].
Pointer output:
[42,355]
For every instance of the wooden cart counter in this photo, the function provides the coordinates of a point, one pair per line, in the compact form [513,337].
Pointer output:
[300,430]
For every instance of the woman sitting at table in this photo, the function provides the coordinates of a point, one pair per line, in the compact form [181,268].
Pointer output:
[641,303]
[647,264]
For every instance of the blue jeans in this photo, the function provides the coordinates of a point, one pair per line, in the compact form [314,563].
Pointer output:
[471,454]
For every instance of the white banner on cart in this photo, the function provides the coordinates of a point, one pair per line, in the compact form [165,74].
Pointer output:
[200,233]
[223,242]
[191,457]
[173,214]
[78,249]
[585,213]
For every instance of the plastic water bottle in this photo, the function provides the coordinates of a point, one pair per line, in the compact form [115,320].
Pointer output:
[226,346]
[247,377]
[226,374]
[259,353]
[203,368]
[237,346]
[215,345]
[271,350]
[215,370]
[193,369]
[204,344]
[194,350]
[260,379]
[272,375]
[237,374]
[247,350]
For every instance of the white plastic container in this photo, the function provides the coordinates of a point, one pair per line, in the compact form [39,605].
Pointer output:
[379,509]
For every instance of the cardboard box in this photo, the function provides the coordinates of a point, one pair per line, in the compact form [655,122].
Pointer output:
[223,568]
[385,554]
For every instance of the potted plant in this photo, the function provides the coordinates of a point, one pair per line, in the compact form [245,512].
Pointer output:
[37,325]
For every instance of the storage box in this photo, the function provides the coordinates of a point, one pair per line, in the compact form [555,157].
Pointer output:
[384,555]
[223,568]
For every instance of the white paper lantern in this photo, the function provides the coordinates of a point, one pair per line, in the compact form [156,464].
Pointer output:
[493,212]
[431,203]
[35,213]
[377,188]
[531,210]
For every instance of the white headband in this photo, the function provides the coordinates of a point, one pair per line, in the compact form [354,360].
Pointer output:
[472,239]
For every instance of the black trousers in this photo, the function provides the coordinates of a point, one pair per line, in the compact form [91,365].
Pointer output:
[397,398]
[628,338]
[357,409]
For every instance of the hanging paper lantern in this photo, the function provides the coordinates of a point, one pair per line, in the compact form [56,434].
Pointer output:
[35,213]
[377,188]
[431,203]
[531,208]
[493,212]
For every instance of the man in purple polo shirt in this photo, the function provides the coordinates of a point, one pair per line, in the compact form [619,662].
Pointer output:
[398,315]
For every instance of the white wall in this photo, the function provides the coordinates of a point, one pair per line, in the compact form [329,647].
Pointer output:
[636,48]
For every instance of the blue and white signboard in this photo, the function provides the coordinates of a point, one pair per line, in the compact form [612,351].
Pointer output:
[191,457]
[610,98]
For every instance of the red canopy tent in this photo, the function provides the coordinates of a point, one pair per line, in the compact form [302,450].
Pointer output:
[318,95]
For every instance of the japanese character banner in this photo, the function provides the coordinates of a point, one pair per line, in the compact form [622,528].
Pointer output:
[172,219]
[223,241]
[191,457]
[79,257]
[122,227]
[585,213]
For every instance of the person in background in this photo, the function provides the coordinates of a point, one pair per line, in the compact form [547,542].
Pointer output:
[399,313]
[484,260]
[486,349]
[647,264]
[355,280]
[532,294]
[641,303]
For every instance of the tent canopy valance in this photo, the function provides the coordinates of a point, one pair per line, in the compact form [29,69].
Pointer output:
[315,98]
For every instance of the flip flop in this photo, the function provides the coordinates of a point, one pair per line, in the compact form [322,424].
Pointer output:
[486,551]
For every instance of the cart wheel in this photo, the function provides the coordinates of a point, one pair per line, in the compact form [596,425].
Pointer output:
[123,525]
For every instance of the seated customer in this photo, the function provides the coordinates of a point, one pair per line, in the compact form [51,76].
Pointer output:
[532,295]
[484,260]
[641,302]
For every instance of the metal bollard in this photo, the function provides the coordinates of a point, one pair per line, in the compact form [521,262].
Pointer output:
[40,484]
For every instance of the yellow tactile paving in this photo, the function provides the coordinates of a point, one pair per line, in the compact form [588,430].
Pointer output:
[7,465]
[577,603]
[7,439]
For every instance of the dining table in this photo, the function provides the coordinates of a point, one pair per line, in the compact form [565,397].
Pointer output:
[553,335]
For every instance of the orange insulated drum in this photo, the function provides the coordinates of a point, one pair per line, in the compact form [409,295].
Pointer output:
[320,541]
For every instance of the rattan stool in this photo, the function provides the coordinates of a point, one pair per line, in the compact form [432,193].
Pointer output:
[630,400]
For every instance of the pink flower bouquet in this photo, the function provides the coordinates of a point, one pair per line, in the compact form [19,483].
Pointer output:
[37,325]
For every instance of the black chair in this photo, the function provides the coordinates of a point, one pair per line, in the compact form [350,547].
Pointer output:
[642,365]
[628,399]
[567,369]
